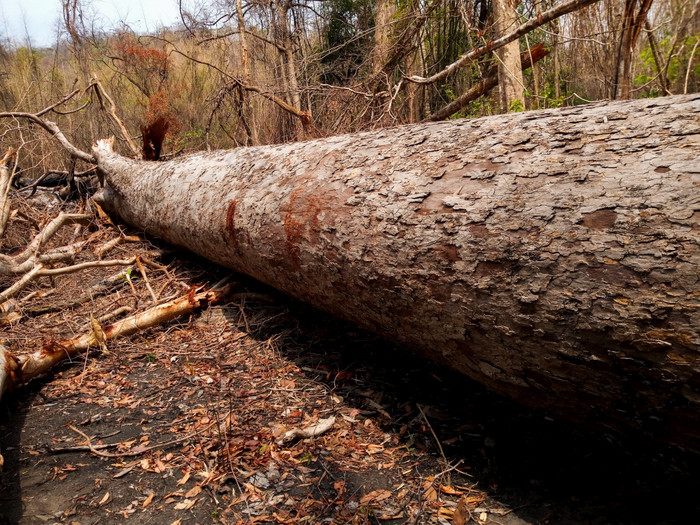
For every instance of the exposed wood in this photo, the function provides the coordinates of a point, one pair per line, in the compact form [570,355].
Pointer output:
[552,255]
[112,112]
[16,370]
[8,164]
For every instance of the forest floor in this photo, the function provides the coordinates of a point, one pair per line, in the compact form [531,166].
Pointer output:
[186,423]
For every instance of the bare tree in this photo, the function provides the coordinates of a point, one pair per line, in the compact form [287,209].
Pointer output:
[632,22]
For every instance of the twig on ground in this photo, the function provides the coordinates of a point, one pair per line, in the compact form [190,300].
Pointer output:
[437,441]
[323,425]
[16,370]
[146,281]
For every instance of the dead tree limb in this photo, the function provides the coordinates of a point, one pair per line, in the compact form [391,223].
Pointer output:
[112,112]
[486,84]
[552,255]
[564,8]
[53,130]
[17,370]
[8,166]
[51,127]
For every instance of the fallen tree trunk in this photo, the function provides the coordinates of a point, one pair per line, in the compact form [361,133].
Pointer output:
[551,255]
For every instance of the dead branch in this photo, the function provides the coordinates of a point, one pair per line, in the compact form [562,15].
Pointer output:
[323,425]
[486,84]
[112,112]
[52,128]
[17,370]
[101,250]
[146,281]
[303,116]
[39,271]
[101,288]
[9,265]
[6,174]
[541,19]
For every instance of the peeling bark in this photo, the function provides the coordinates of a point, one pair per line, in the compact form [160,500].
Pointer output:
[551,255]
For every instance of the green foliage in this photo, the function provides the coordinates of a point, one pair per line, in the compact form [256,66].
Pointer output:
[192,139]
[516,106]
[550,100]
[346,39]
[645,82]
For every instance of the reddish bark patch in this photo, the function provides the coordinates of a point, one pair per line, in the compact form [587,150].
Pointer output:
[662,169]
[301,222]
[615,274]
[448,252]
[489,268]
[293,229]
[231,222]
[479,231]
[600,219]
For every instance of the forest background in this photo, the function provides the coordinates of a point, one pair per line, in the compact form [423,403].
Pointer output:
[242,72]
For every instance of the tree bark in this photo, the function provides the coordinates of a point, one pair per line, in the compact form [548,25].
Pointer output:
[551,255]
[247,110]
[386,9]
[510,73]
[629,33]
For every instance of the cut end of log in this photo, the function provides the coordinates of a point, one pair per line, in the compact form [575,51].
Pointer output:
[103,146]
[8,157]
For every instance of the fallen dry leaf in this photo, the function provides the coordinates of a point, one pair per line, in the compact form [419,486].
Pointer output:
[461,514]
[429,492]
[186,504]
[183,480]
[104,499]
[194,491]
[446,489]
[374,498]
[148,500]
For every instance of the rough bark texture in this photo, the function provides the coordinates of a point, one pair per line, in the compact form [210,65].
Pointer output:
[552,255]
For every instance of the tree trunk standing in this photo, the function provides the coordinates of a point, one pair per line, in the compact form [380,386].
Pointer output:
[510,74]
[631,26]
[557,64]
[248,114]
[658,62]
[486,84]
[284,34]
[552,255]
[386,9]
